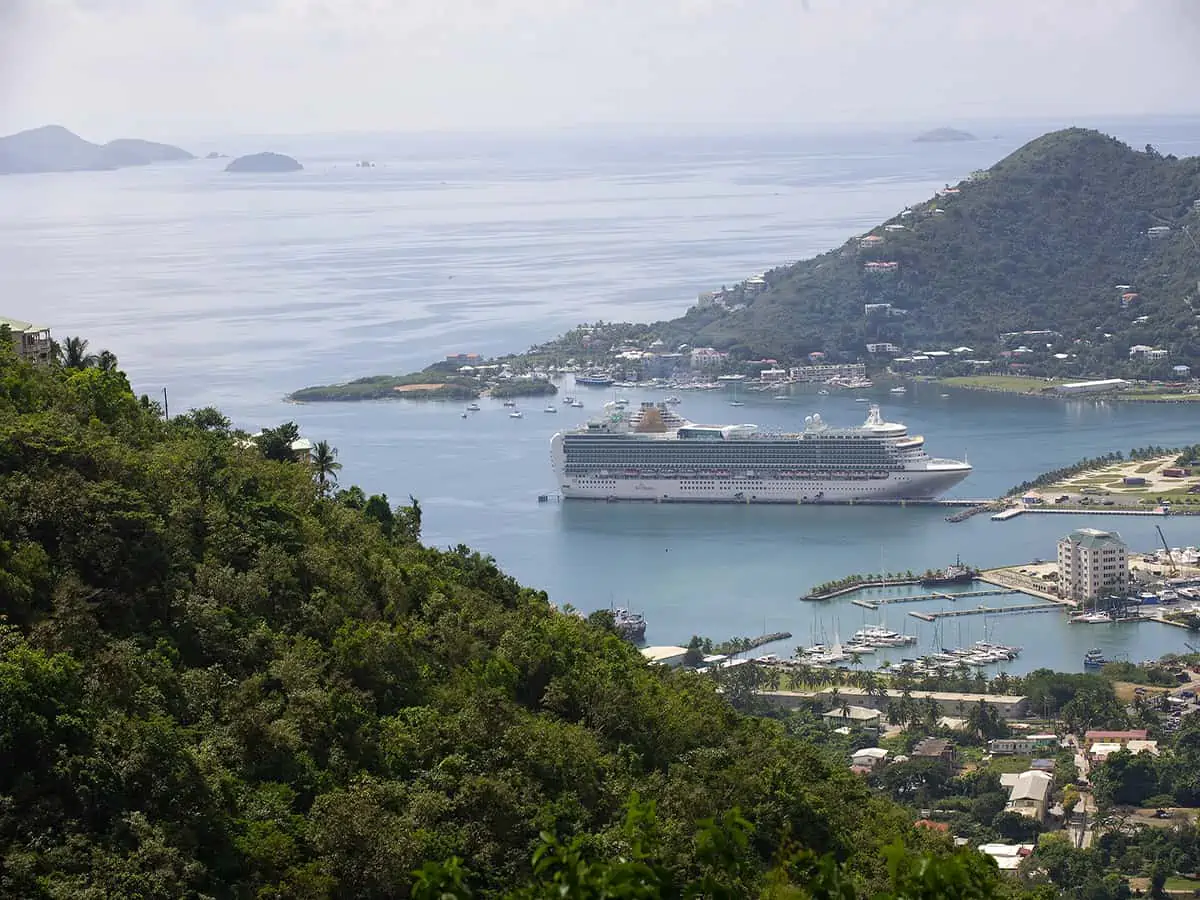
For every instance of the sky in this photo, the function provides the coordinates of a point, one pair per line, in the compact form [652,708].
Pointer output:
[170,68]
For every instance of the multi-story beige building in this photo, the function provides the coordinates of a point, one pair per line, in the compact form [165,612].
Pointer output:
[31,342]
[1092,564]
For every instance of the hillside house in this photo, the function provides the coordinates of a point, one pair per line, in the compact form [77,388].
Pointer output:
[934,748]
[868,757]
[882,268]
[1030,794]
[1139,350]
[882,347]
[30,342]
[870,242]
[1181,371]
[755,285]
[1120,737]
[845,715]
[1158,231]
[1008,857]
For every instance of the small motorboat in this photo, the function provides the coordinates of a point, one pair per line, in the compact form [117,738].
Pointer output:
[472,407]
[510,402]
[516,414]
[577,404]
[550,409]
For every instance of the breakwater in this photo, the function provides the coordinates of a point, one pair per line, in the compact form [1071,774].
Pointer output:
[822,592]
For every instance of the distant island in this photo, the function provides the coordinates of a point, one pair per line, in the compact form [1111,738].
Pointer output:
[53,148]
[264,162]
[943,136]
[216,155]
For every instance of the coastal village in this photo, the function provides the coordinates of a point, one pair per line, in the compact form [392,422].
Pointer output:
[938,734]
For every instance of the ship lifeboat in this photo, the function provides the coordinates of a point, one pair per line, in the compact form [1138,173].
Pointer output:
[633,472]
[688,473]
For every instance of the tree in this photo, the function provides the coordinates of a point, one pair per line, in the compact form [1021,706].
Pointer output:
[75,355]
[276,443]
[325,465]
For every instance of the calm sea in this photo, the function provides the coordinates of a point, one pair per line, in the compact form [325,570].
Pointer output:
[233,290]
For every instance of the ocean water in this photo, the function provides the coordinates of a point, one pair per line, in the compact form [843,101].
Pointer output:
[233,290]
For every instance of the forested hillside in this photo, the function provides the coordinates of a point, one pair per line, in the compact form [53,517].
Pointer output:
[220,676]
[1042,240]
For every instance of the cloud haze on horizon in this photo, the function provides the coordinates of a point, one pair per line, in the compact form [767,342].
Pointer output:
[160,68]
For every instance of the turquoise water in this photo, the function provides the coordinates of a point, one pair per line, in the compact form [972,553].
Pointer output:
[235,290]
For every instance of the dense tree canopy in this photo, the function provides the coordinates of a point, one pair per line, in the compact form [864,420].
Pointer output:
[221,678]
[1040,241]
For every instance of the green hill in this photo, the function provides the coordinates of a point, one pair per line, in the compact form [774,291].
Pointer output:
[222,677]
[1038,242]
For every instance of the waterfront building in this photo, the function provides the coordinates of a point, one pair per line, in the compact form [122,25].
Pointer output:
[825,371]
[671,657]
[1092,564]
[1091,387]
[30,342]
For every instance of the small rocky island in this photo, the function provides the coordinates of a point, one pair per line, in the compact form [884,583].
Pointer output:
[264,162]
[944,136]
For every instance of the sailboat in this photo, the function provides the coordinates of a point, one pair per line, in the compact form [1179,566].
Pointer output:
[735,401]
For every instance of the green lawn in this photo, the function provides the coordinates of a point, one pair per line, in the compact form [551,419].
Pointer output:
[1182,883]
[1009,765]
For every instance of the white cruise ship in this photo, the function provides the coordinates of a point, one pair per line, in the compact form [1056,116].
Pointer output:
[651,453]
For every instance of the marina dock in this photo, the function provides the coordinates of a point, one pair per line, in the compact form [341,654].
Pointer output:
[937,595]
[986,611]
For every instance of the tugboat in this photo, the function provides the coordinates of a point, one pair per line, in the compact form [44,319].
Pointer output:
[955,574]
[1094,659]
[630,625]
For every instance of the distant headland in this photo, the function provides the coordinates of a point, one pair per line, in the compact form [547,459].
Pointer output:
[264,162]
[944,135]
[53,148]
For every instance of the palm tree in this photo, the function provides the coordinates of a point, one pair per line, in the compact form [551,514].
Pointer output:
[75,355]
[324,464]
[106,361]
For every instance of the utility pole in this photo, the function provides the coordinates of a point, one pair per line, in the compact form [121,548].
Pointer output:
[166,408]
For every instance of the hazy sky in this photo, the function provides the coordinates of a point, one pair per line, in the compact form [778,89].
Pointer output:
[159,68]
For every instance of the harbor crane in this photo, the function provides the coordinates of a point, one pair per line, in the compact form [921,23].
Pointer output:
[1170,558]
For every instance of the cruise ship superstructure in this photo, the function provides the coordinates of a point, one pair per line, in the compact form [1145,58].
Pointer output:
[651,453]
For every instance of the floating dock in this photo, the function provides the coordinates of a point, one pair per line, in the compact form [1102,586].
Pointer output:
[875,603]
[1008,514]
[986,611]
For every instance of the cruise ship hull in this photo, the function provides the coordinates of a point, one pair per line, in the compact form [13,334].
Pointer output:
[904,486]
[654,456]
[927,484]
